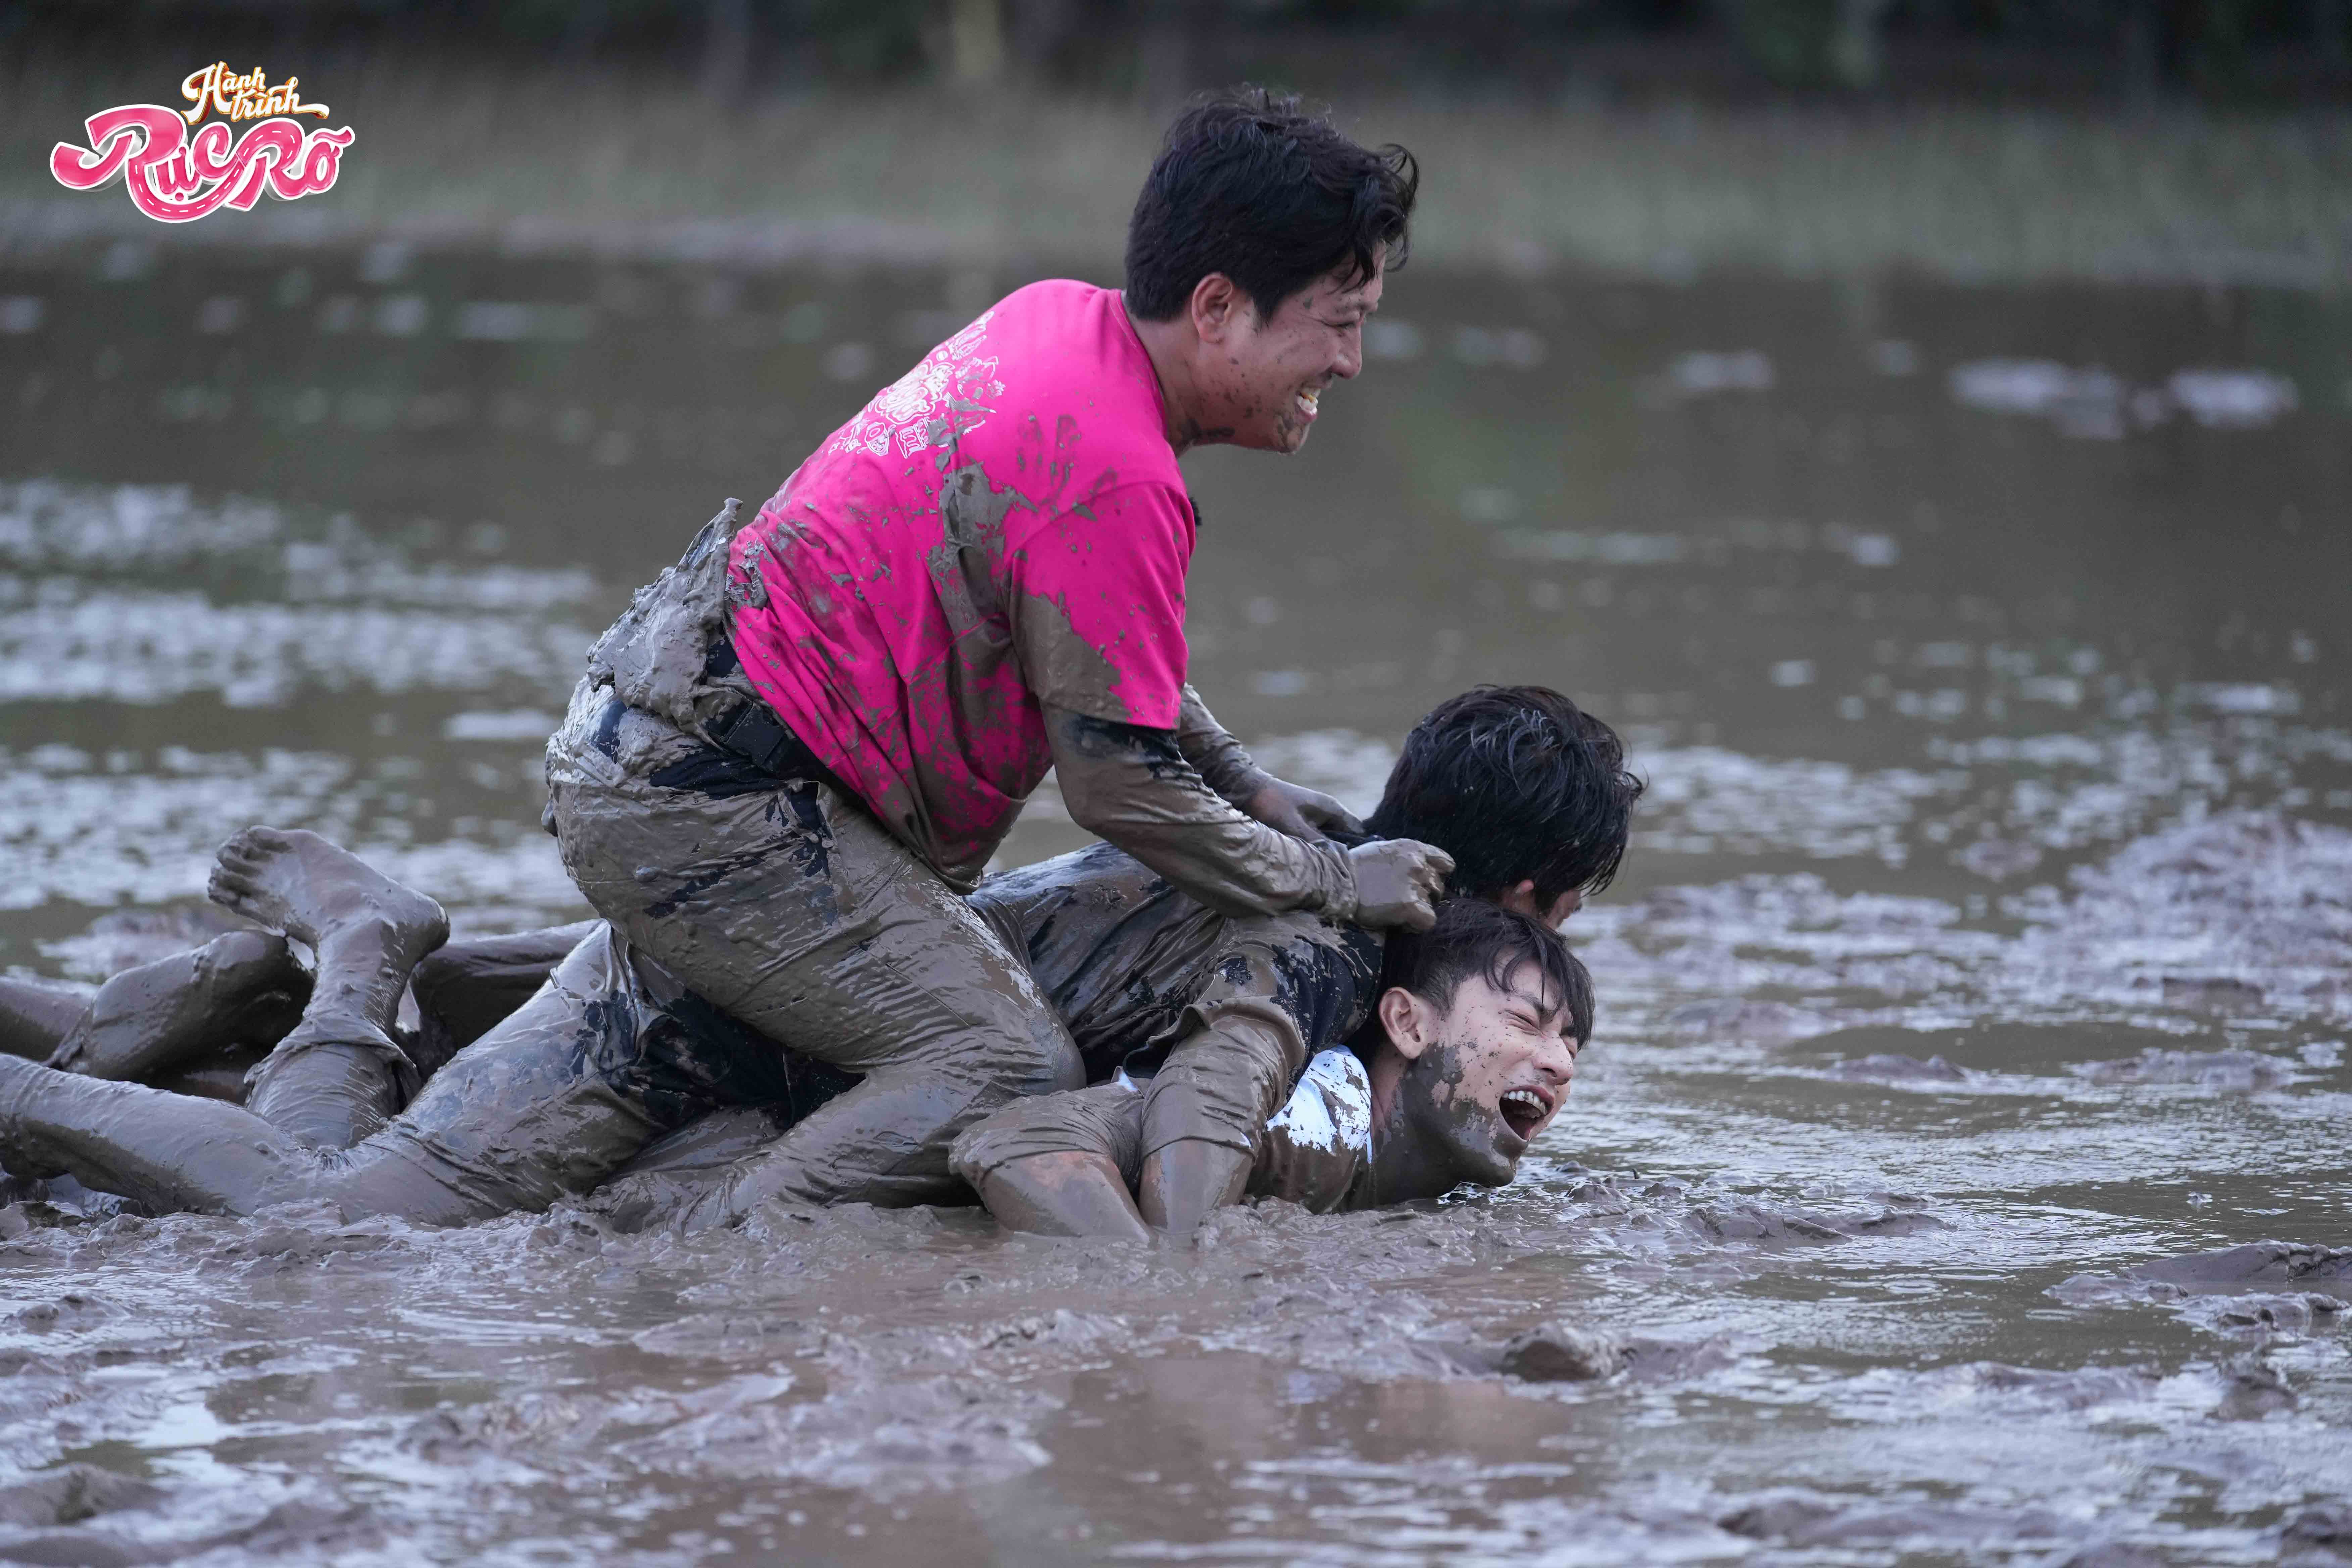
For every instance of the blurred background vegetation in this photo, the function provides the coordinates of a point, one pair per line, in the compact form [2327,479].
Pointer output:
[2196,139]
[1532,50]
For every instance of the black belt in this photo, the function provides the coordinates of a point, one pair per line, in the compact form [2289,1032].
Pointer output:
[756,735]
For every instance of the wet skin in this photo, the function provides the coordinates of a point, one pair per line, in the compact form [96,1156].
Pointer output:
[1232,375]
[1460,1091]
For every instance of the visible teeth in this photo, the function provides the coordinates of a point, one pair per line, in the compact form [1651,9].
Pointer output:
[1308,399]
[1525,1100]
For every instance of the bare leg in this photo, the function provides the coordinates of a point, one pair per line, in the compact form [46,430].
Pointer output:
[242,987]
[168,1151]
[559,1096]
[339,1075]
[194,1021]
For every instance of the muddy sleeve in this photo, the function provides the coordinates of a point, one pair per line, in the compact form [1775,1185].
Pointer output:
[1216,755]
[1284,989]
[1133,787]
[1230,1072]
[1106,1120]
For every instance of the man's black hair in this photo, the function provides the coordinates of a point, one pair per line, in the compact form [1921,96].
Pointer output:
[1250,185]
[1518,783]
[1474,937]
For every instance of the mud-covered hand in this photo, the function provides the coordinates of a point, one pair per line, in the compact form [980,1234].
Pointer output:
[1398,882]
[1298,811]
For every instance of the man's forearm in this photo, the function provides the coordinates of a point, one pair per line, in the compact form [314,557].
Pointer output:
[1220,760]
[1205,1112]
[1134,787]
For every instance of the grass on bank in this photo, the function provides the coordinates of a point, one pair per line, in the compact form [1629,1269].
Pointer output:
[616,160]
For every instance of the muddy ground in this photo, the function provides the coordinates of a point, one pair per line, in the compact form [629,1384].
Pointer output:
[1957,1176]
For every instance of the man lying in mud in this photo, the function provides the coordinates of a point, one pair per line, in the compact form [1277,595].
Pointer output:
[610,1056]
[1468,1055]
[790,760]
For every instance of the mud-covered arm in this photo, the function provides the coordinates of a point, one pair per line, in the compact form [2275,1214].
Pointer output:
[1220,760]
[1134,787]
[1229,770]
[1204,1114]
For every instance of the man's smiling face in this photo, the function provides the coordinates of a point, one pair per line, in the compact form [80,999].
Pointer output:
[1274,369]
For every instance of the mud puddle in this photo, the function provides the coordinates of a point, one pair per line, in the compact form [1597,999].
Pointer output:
[1958,1172]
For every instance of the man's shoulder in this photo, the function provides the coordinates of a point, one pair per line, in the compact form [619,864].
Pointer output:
[1331,1108]
[1080,396]
[1314,1145]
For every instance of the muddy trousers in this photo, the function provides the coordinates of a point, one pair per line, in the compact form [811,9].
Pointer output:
[786,904]
[607,1059]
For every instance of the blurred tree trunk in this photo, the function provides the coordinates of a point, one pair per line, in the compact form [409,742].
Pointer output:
[976,40]
[1036,34]
[2143,52]
[584,29]
[1163,74]
[1855,57]
[2220,47]
[727,51]
[795,61]
[1811,43]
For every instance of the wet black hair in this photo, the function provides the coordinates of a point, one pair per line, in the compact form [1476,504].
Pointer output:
[1474,937]
[1251,184]
[1518,783]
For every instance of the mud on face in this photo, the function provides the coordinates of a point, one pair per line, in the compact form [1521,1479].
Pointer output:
[1279,366]
[1486,1073]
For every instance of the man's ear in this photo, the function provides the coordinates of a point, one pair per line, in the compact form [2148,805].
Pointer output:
[1410,1023]
[1217,306]
[1521,899]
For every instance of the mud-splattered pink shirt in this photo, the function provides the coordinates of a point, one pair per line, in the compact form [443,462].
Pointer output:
[1005,525]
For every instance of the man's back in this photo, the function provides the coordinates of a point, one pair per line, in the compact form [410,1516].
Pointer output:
[1003,525]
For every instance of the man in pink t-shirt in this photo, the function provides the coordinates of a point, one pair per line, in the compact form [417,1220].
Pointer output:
[795,754]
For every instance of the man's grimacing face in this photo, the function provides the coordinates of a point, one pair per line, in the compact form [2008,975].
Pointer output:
[1277,368]
[1486,1074]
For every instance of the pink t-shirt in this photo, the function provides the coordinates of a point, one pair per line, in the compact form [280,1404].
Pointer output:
[1005,525]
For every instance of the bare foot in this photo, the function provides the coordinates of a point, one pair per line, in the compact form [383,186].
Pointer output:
[242,987]
[370,932]
[290,879]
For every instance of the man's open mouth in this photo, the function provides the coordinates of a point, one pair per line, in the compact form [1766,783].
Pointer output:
[1306,399]
[1524,1110]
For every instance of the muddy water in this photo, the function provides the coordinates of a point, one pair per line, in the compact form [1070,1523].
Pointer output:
[1984,969]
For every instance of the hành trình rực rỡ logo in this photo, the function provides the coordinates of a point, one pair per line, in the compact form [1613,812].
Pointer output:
[181,167]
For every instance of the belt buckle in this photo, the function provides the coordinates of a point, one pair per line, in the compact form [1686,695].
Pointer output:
[763,745]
